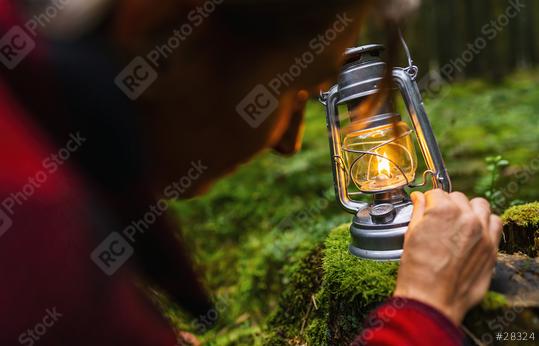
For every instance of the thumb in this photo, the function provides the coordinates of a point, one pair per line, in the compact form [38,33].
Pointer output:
[418,199]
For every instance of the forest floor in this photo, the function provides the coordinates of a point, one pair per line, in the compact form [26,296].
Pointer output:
[250,230]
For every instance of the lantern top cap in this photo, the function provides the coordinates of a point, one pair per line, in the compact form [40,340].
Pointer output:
[357,53]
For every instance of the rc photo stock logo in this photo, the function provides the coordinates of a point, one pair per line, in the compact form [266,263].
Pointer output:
[35,181]
[257,106]
[112,253]
[136,77]
[33,335]
[117,247]
[15,45]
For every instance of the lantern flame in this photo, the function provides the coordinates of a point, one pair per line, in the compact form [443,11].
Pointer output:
[383,166]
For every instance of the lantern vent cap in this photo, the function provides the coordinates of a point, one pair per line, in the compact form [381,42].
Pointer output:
[362,52]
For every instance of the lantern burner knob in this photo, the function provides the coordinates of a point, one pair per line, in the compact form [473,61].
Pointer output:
[382,213]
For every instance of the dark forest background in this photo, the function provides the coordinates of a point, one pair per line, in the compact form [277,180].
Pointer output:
[443,30]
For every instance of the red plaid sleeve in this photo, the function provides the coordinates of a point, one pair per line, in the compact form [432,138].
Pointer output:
[407,322]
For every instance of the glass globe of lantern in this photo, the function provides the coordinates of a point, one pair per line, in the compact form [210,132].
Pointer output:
[379,153]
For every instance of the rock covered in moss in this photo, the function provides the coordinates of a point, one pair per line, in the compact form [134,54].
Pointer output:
[521,229]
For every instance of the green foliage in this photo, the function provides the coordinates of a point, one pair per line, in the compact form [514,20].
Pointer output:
[489,185]
[474,120]
[239,335]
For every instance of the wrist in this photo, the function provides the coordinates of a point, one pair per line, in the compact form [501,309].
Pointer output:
[451,311]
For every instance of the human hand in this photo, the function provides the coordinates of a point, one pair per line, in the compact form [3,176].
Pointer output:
[449,252]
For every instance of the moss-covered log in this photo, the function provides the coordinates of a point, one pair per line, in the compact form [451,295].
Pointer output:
[331,293]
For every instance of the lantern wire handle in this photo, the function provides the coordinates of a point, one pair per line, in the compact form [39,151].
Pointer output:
[412,69]
[425,178]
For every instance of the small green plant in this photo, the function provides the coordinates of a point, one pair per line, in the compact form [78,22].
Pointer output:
[495,187]
[495,166]
[490,185]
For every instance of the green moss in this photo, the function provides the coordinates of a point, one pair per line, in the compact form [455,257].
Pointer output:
[237,336]
[526,215]
[346,276]
[494,301]
[317,332]
[296,303]
[329,308]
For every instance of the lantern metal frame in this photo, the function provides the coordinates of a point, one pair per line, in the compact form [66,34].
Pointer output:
[370,239]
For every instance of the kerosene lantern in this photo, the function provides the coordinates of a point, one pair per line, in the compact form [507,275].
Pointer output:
[373,154]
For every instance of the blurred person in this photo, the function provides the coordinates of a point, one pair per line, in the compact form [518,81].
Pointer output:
[82,160]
